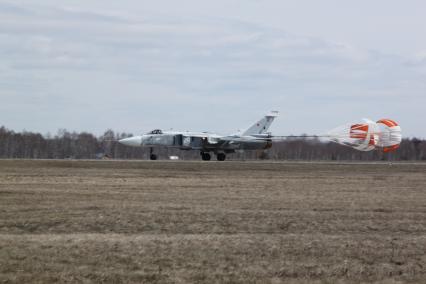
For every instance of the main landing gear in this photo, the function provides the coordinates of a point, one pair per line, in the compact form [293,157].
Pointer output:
[152,156]
[221,156]
[205,156]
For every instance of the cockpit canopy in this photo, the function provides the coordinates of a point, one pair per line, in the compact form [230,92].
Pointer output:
[155,131]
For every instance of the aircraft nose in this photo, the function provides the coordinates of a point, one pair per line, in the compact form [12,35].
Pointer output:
[131,141]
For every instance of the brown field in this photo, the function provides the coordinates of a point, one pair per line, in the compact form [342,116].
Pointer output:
[222,222]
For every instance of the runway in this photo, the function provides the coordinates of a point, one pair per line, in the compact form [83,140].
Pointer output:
[183,221]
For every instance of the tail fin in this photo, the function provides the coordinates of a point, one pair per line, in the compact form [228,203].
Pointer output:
[262,125]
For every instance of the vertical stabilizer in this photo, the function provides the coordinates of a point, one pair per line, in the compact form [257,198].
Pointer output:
[262,125]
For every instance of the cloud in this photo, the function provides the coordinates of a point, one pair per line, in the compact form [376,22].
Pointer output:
[95,70]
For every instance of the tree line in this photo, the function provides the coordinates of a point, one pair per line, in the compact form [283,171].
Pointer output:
[83,145]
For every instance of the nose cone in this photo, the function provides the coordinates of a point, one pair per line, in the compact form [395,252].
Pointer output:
[131,141]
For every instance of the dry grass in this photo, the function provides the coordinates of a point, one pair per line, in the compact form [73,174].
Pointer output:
[180,222]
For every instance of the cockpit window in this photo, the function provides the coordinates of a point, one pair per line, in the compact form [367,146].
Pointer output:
[156,131]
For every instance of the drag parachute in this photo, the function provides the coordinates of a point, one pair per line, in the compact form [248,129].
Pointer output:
[368,135]
[389,135]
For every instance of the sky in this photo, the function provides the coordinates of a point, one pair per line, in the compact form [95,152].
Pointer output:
[217,66]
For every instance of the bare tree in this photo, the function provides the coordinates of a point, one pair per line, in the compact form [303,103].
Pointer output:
[85,145]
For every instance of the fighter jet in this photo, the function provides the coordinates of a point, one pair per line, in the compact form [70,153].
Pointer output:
[256,137]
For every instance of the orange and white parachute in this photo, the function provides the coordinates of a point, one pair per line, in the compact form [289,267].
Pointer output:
[368,135]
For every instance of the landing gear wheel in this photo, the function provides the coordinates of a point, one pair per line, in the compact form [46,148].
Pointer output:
[152,156]
[221,156]
[205,156]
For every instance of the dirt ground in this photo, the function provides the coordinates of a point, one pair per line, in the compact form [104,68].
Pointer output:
[220,222]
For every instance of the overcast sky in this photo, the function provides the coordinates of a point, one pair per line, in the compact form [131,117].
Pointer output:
[211,65]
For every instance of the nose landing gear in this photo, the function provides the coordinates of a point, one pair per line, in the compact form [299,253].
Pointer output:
[152,156]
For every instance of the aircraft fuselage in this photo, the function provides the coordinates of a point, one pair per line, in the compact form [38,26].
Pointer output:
[254,138]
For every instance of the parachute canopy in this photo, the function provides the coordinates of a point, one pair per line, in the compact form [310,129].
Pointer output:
[368,135]
[389,135]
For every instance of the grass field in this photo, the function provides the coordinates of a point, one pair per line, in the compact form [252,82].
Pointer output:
[185,222]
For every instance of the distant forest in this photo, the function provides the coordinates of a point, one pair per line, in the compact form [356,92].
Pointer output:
[73,145]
